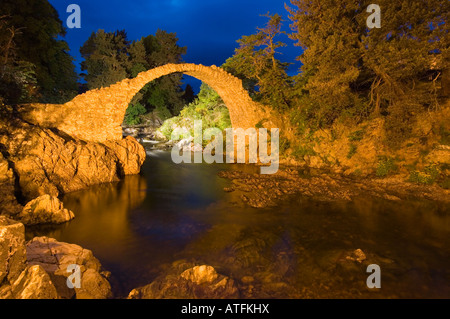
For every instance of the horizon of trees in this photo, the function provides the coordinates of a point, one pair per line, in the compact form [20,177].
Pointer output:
[349,72]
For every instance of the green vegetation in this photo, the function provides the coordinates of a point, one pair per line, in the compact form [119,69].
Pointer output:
[284,145]
[110,57]
[132,116]
[255,62]
[445,136]
[386,166]
[352,72]
[304,150]
[35,65]
[208,107]
[428,176]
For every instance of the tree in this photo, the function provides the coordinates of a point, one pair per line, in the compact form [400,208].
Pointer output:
[17,78]
[36,45]
[188,95]
[105,58]
[110,57]
[349,69]
[255,62]
[165,92]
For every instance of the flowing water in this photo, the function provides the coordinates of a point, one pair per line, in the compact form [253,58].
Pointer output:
[296,250]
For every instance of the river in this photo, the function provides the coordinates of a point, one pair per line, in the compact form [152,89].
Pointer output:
[298,249]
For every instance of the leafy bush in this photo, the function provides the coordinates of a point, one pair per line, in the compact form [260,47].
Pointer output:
[167,127]
[284,144]
[428,176]
[386,166]
[209,108]
[134,111]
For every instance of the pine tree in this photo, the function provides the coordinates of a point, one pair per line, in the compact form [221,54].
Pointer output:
[105,58]
[255,62]
[349,69]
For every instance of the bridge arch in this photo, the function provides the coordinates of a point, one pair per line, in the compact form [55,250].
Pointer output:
[97,115]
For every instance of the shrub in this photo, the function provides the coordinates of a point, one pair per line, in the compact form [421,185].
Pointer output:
[428,176]
[386,166]
[445,136]
[133,113]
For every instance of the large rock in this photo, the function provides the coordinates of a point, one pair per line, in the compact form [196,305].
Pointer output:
[17,280]
[44,210]
[34,283]
[130,155]
[12,250]
[48,162]
[8,202]
[186,282]
[55,257]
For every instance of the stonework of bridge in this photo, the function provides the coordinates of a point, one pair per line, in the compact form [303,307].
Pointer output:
[97,115]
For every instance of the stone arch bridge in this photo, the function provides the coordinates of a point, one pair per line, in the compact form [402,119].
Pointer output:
[97,115]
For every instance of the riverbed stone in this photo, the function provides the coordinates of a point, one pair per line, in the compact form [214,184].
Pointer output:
[187,281]
[44,210]
[55,257]
[34,283]
[45,161]
[12,250]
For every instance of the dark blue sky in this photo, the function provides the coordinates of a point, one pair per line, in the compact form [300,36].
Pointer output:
[209,28]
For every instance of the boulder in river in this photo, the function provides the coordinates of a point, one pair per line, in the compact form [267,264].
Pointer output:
[17,279]
[187,281]
[43,210]
[56,257]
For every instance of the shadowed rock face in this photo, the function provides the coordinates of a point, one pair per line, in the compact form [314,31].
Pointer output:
[17,279]
[97,115]
[44,210]
[40,161]
[38,269]
[55,257]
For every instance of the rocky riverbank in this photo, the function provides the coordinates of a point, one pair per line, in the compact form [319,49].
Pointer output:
[35,161]
[36,166]
[38,269]
[268,190]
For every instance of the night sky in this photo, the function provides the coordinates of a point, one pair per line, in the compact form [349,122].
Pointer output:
[209,28]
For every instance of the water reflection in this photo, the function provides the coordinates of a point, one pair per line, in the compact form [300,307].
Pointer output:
[296,250]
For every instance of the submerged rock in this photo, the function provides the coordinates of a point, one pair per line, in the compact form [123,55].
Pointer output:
[45,209]
[185,281]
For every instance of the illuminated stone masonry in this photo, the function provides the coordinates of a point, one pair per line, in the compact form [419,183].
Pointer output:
[97,115]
